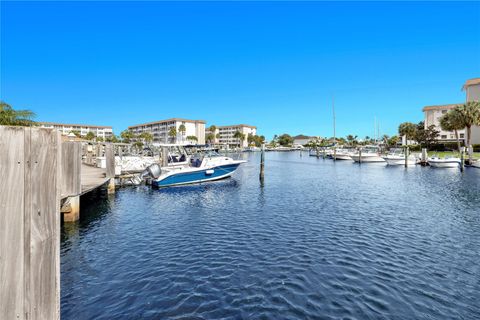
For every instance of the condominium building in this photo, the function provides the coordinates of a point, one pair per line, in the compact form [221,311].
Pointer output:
[162,130]
[99,131]
[432,117]
[224,135]
[472,90]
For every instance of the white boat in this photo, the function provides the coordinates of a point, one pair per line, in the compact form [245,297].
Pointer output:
[368,154]
[343,154]
[205,167]
[397,157]
[437,162]
[476,164]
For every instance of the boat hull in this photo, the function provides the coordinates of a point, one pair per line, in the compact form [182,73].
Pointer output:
[196,176]
[443,164]
[366,158]
[399,161]
[343,157]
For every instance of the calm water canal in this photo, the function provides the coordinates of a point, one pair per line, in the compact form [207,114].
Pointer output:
[320,240]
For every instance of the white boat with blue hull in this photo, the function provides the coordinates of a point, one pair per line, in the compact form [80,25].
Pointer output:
[201,168]
[195,175]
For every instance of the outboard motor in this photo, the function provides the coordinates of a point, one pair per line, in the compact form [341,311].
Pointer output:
[153,171]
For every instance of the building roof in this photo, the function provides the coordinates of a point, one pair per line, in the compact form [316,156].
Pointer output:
[238,125]
[166,120]
[441,107]
[73,125]
[471,82]
[302,136]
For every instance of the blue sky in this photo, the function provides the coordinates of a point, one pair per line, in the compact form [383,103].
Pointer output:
[275,65]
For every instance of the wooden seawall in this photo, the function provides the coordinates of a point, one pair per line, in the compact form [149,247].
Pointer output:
[40,174]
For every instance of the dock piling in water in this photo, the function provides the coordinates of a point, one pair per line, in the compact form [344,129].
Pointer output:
[262,164]
[407,151]
[462,158]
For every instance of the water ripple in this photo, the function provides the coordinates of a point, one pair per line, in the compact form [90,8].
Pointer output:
[320,240]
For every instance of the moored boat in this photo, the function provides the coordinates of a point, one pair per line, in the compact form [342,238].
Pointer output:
[367,154]
[200,168]
[437,162]
[397,157]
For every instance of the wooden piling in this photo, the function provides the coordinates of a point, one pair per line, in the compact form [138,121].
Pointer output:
[407,151]
[70,180]
[30,167]
[110,167]
[262,164]
[462,158]
[164,156]
[360,155]
[317,152]
[423,160]
[334,153]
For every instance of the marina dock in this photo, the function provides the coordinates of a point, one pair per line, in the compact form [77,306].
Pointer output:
[42,177]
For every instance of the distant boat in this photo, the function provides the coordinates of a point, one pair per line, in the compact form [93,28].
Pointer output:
[437,162]
[368,154]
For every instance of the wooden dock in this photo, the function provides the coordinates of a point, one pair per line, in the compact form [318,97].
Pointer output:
[91,178]
[42,177]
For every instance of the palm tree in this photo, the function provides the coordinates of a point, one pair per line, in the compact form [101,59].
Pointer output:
[452,121]
[469,114]
[11,117]
[90,135]
[407,129]
[240,136]
[210,137]
[213,129]
[182,129]
[192,139]
[172,133]
[147,137]
[127,136]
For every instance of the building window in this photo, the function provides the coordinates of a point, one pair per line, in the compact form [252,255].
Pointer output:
[462,135]
[444,136]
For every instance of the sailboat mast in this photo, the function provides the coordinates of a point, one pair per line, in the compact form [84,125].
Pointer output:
[333,110]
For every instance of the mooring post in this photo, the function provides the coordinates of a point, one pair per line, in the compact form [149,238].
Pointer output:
[70,180]
[317,151]
[334,153]
[164,156]
[110,167]
[360,155]
[462,158]
[262,164]
[423,160]
[470,154]
[407,151]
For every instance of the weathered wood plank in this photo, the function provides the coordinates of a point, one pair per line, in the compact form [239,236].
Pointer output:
[45,221]
[71,153]
[12,285]
[110,160]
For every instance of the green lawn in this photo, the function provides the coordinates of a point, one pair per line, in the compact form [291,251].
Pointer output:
[476,155]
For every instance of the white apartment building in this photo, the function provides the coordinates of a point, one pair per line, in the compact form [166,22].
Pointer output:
[433,114]
[224,135]
[161,130]
[472,90]
[432,117]
[99,131]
